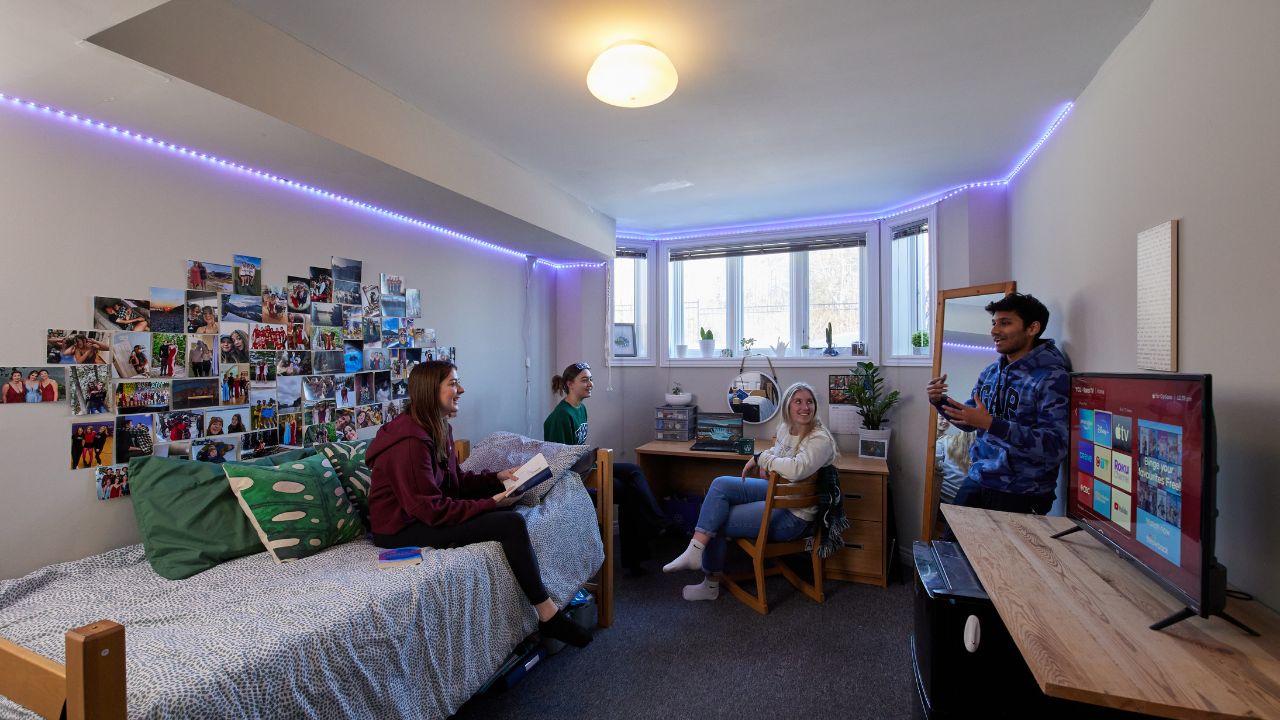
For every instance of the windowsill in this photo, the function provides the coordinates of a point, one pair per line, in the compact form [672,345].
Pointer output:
[632,362]
[791,361]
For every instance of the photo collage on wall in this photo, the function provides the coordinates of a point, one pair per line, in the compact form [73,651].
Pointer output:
[230,367]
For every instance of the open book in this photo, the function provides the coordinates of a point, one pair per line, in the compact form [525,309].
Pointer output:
[530,474]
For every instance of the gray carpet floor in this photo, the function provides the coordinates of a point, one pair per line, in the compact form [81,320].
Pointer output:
[665,657]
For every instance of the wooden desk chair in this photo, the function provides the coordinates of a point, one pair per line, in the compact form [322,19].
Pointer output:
[600,481]
[781,494]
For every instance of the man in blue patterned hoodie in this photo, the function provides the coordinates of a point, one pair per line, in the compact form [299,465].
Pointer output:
[1019,410]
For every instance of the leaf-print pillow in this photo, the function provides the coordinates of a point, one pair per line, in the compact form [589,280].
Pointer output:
[348,460]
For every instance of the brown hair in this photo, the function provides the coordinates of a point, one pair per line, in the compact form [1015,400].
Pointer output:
[560,383]
[424,402]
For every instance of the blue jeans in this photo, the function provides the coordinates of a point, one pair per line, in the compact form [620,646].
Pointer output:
[733,509]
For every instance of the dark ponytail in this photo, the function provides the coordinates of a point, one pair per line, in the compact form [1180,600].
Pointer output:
[560,383]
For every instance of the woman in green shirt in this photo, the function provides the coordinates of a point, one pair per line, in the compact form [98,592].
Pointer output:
[640,519]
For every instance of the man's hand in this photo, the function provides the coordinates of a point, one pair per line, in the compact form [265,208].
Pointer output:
[964,415]
[937,388]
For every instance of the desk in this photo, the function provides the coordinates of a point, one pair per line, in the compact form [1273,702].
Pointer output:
[1079,615]
[671,467]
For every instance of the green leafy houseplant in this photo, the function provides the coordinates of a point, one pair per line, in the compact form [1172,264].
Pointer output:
[830,348]
[920,339]
[676,389]
[747,343]
[867,393]
[705,334]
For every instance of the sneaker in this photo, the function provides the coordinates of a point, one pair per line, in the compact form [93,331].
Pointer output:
[561,628]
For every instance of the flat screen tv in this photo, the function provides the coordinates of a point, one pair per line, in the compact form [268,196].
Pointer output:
[1143,477]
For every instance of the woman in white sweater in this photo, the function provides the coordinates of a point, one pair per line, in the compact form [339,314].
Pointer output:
[734,505]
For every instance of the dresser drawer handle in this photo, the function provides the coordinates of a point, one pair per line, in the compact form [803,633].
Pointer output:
[853,546]
[853,496]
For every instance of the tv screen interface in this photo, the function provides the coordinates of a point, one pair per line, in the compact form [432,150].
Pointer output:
[1139,472]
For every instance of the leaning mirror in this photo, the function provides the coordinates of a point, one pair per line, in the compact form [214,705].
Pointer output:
[754,396]
[965,349]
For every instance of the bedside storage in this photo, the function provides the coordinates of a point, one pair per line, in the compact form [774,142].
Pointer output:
[675,422]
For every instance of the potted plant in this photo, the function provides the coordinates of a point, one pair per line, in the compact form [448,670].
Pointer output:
[706,342]
[866,392]
[830,351]
[678,396]
[681,350]
[746,344]
[920,342]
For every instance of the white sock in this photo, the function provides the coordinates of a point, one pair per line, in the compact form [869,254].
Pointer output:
[690,559]
[708,589]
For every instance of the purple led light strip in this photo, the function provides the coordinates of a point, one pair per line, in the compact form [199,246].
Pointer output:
[273,178]
[833,220]
[967,346]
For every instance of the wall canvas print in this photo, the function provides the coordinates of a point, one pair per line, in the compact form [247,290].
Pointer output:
[92,444]
[289,393]
[188,394]
[347,293]
[111,313]
[26,385]
[233,344]
[267,337]
[226,421]
[203,311]
[321,284]
[392,284]
[242,308]
[326,313]
[179,425]
[262,368]
[275,305]
[347,270]
[202,355]
[234,384]
[248,279]
[168,350]
[372,295]
[89,389]
[298,291]
[293,363]
[76,347]
[392,306]
[141,397]
[412,303]
[168,309]
[111,481]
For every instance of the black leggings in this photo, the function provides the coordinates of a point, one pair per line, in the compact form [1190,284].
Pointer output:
[639,517]
[503,526]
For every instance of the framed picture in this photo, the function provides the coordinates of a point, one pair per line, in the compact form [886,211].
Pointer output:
[869,448]
[624,339]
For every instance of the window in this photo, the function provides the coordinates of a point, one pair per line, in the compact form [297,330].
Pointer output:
[769,292]
[630,293]
[911,299]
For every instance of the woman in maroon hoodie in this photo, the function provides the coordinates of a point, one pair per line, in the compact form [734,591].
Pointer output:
[419,497]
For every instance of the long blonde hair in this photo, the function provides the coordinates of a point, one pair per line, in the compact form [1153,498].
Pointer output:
[784,424]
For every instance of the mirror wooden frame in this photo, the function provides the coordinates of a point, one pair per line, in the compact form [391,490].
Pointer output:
[931,489]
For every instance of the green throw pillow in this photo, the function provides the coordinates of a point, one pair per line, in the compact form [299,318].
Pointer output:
[348,459]
[297,508]
[188,520]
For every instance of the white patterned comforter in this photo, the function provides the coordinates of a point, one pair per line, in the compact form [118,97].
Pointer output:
[329,636]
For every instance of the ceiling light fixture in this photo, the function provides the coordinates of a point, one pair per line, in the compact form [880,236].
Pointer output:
[632,74]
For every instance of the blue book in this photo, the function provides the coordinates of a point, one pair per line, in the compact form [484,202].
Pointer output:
[531,474]
[399,557]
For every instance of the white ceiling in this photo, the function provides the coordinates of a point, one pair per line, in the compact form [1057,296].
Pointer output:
[784,109]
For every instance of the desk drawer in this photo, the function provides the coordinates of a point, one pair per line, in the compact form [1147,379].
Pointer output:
[863,552]
[863,495]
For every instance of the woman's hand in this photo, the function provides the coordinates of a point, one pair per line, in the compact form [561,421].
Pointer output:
[507,497]
[752,469]
[508,477]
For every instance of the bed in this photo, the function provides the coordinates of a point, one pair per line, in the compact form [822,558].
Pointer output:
[326,636]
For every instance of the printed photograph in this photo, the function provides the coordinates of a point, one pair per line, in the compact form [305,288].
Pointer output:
[234,384]
[352,356]
[76,347]
[262,408]
[289,393]
[201,393]
[201,358]
[141,397]
[372,327]
[291,429]
[233,344]
[326,338]
[345,424]
[392,306]
[412,303]
[368,416]
[326,313]
[226,421]
[89,389]
[382,387]
[167,353]
[345,392]
[111,481]
[327,362]
[197,272]
[242,308]
[319,434]
[297,337]
[347,293]
[299,293]
[390,337]
[317,387]
[131,354]
[375,358]
[321,285]
[178,451]
[259,444]
[352,323]
[262,368]
[399,389]
[319,413]
[293,362]
[424,337]
[92,444]
[838,389]
[275,305]
[248,280]
[391,410]
[179,425]
[372,295]
[391,284]
[203,311]
[168,310]
[267,337]
[218,278]
[347,270]
[113,314]
[364,388]
[213,451]
[37,384]
[133,437]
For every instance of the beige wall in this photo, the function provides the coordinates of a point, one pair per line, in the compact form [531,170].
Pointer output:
[1179,123]
[89,215]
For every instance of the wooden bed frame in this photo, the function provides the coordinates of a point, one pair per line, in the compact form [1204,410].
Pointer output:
[91,684]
